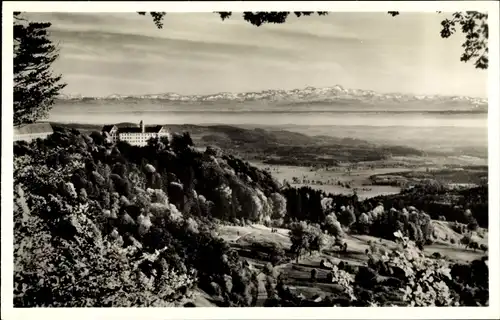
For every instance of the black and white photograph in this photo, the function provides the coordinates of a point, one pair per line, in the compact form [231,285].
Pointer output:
[246,158]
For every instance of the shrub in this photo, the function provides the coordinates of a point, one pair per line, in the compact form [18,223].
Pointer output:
[473,245]
[277,254]
[465,240]
[473,225]
[329,277]
[314,273]
[437,255]
[483,247]
[341,265]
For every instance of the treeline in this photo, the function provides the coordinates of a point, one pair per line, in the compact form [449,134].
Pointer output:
[443,204]
[410,211]
[464,206]
[365,217]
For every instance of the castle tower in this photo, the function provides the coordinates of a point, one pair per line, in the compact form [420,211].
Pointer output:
[142,127]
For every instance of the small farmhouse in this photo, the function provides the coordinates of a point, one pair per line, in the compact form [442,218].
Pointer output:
[32,131]
[136,136]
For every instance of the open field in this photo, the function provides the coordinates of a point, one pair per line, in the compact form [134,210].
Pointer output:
[374,181]
[357,244]
[338,180]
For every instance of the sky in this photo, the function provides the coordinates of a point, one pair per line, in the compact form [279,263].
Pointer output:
[197,53]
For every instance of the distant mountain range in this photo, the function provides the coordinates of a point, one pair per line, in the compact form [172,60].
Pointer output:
[335,94]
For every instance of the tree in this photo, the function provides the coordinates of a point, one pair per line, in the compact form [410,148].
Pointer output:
[472,225]
[35,86]
[473,245]
[181,142]
[363,224]
[299,238]
[466,240]
[473,24]
[347,217]
[483,247]
[278,205]
[333,226]
[316,238]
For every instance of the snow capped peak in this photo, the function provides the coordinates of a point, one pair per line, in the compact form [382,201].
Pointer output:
[305,95]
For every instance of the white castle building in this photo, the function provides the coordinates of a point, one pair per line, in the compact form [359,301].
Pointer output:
[136,136]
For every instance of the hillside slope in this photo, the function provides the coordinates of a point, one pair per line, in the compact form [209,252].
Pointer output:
[127,226]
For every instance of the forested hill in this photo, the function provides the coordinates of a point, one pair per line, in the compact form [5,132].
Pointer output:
[102,219]
[97,224]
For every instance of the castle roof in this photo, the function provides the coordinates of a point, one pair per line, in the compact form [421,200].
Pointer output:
[33,128]
[147,129]
[150,129]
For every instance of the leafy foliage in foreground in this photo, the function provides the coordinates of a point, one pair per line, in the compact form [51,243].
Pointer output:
[425,277]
